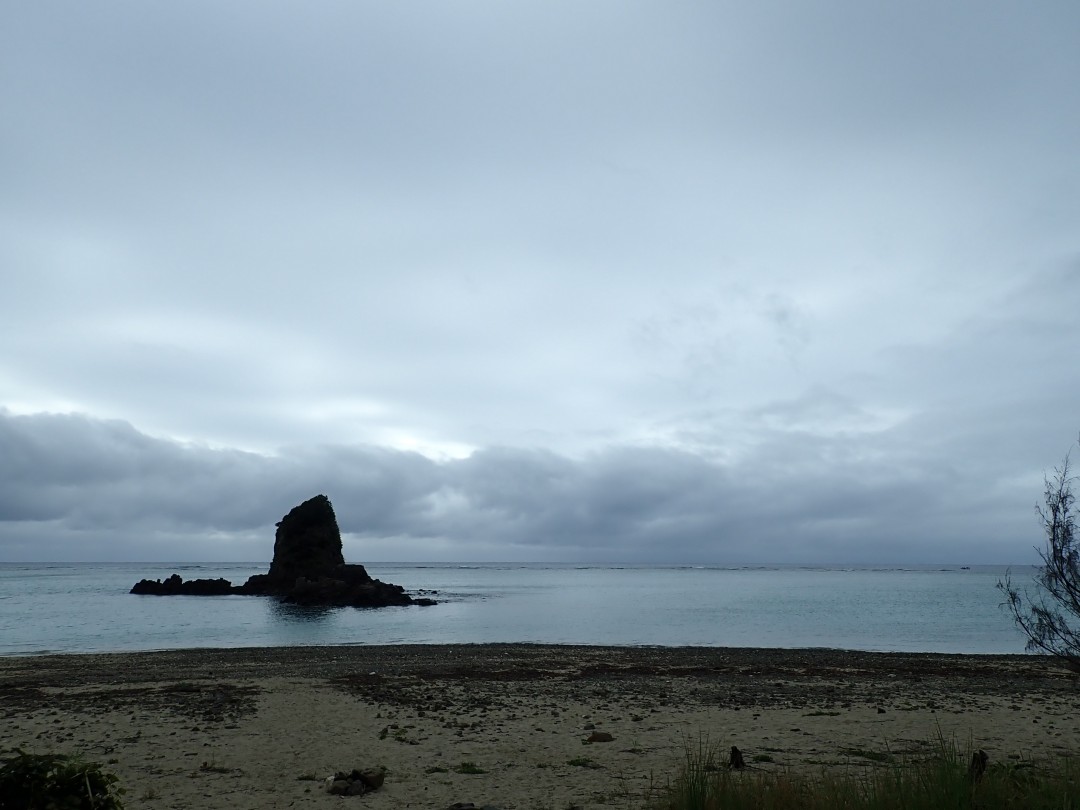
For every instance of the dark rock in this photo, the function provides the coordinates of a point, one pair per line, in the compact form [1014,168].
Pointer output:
[175,586]
[308,569]
[599,737]
[373,779]
[355,783]
[342,586]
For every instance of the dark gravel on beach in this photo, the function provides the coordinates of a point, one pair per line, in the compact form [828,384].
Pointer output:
[433,676]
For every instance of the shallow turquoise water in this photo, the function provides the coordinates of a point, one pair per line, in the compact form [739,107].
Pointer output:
[86,608]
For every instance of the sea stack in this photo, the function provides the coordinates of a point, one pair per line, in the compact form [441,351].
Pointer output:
[308,569]
[307,545]
[307,542]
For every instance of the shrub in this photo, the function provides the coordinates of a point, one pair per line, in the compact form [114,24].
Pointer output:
[56,782]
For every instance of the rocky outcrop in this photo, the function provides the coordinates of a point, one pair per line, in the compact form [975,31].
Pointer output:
[176,586]
[308,569]
[356,782]
[348,585]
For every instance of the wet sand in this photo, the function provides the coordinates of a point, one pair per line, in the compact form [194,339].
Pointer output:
[255,728]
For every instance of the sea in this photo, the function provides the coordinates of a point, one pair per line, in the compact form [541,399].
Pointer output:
[86,608]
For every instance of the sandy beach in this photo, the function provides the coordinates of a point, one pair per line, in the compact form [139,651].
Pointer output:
[508,725]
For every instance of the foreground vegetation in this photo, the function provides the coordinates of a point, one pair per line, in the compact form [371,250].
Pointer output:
[945,781]
[55,782]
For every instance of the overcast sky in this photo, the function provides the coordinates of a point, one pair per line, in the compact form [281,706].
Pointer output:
[779,281]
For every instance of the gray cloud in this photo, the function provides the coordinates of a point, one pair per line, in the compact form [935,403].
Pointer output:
[81,487]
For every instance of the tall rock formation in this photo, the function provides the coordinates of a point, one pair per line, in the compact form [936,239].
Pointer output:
[307,542]
[308,568]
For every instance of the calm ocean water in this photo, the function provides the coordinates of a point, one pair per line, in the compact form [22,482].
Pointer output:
[84,607]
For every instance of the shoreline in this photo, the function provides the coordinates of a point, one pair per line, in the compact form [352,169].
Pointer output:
[239,727]
[330,651]
[43,654]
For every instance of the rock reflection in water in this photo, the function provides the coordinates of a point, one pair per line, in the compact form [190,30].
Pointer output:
[288,612]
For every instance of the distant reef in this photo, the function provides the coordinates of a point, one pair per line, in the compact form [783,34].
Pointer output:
[308,569]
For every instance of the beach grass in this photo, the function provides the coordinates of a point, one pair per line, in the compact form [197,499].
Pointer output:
[943,781]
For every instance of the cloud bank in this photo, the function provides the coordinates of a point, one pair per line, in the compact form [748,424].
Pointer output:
[77,488]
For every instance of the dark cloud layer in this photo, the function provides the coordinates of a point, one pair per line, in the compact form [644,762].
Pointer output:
[74,487]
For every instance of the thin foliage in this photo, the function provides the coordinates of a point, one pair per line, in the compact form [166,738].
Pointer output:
[1047,617]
